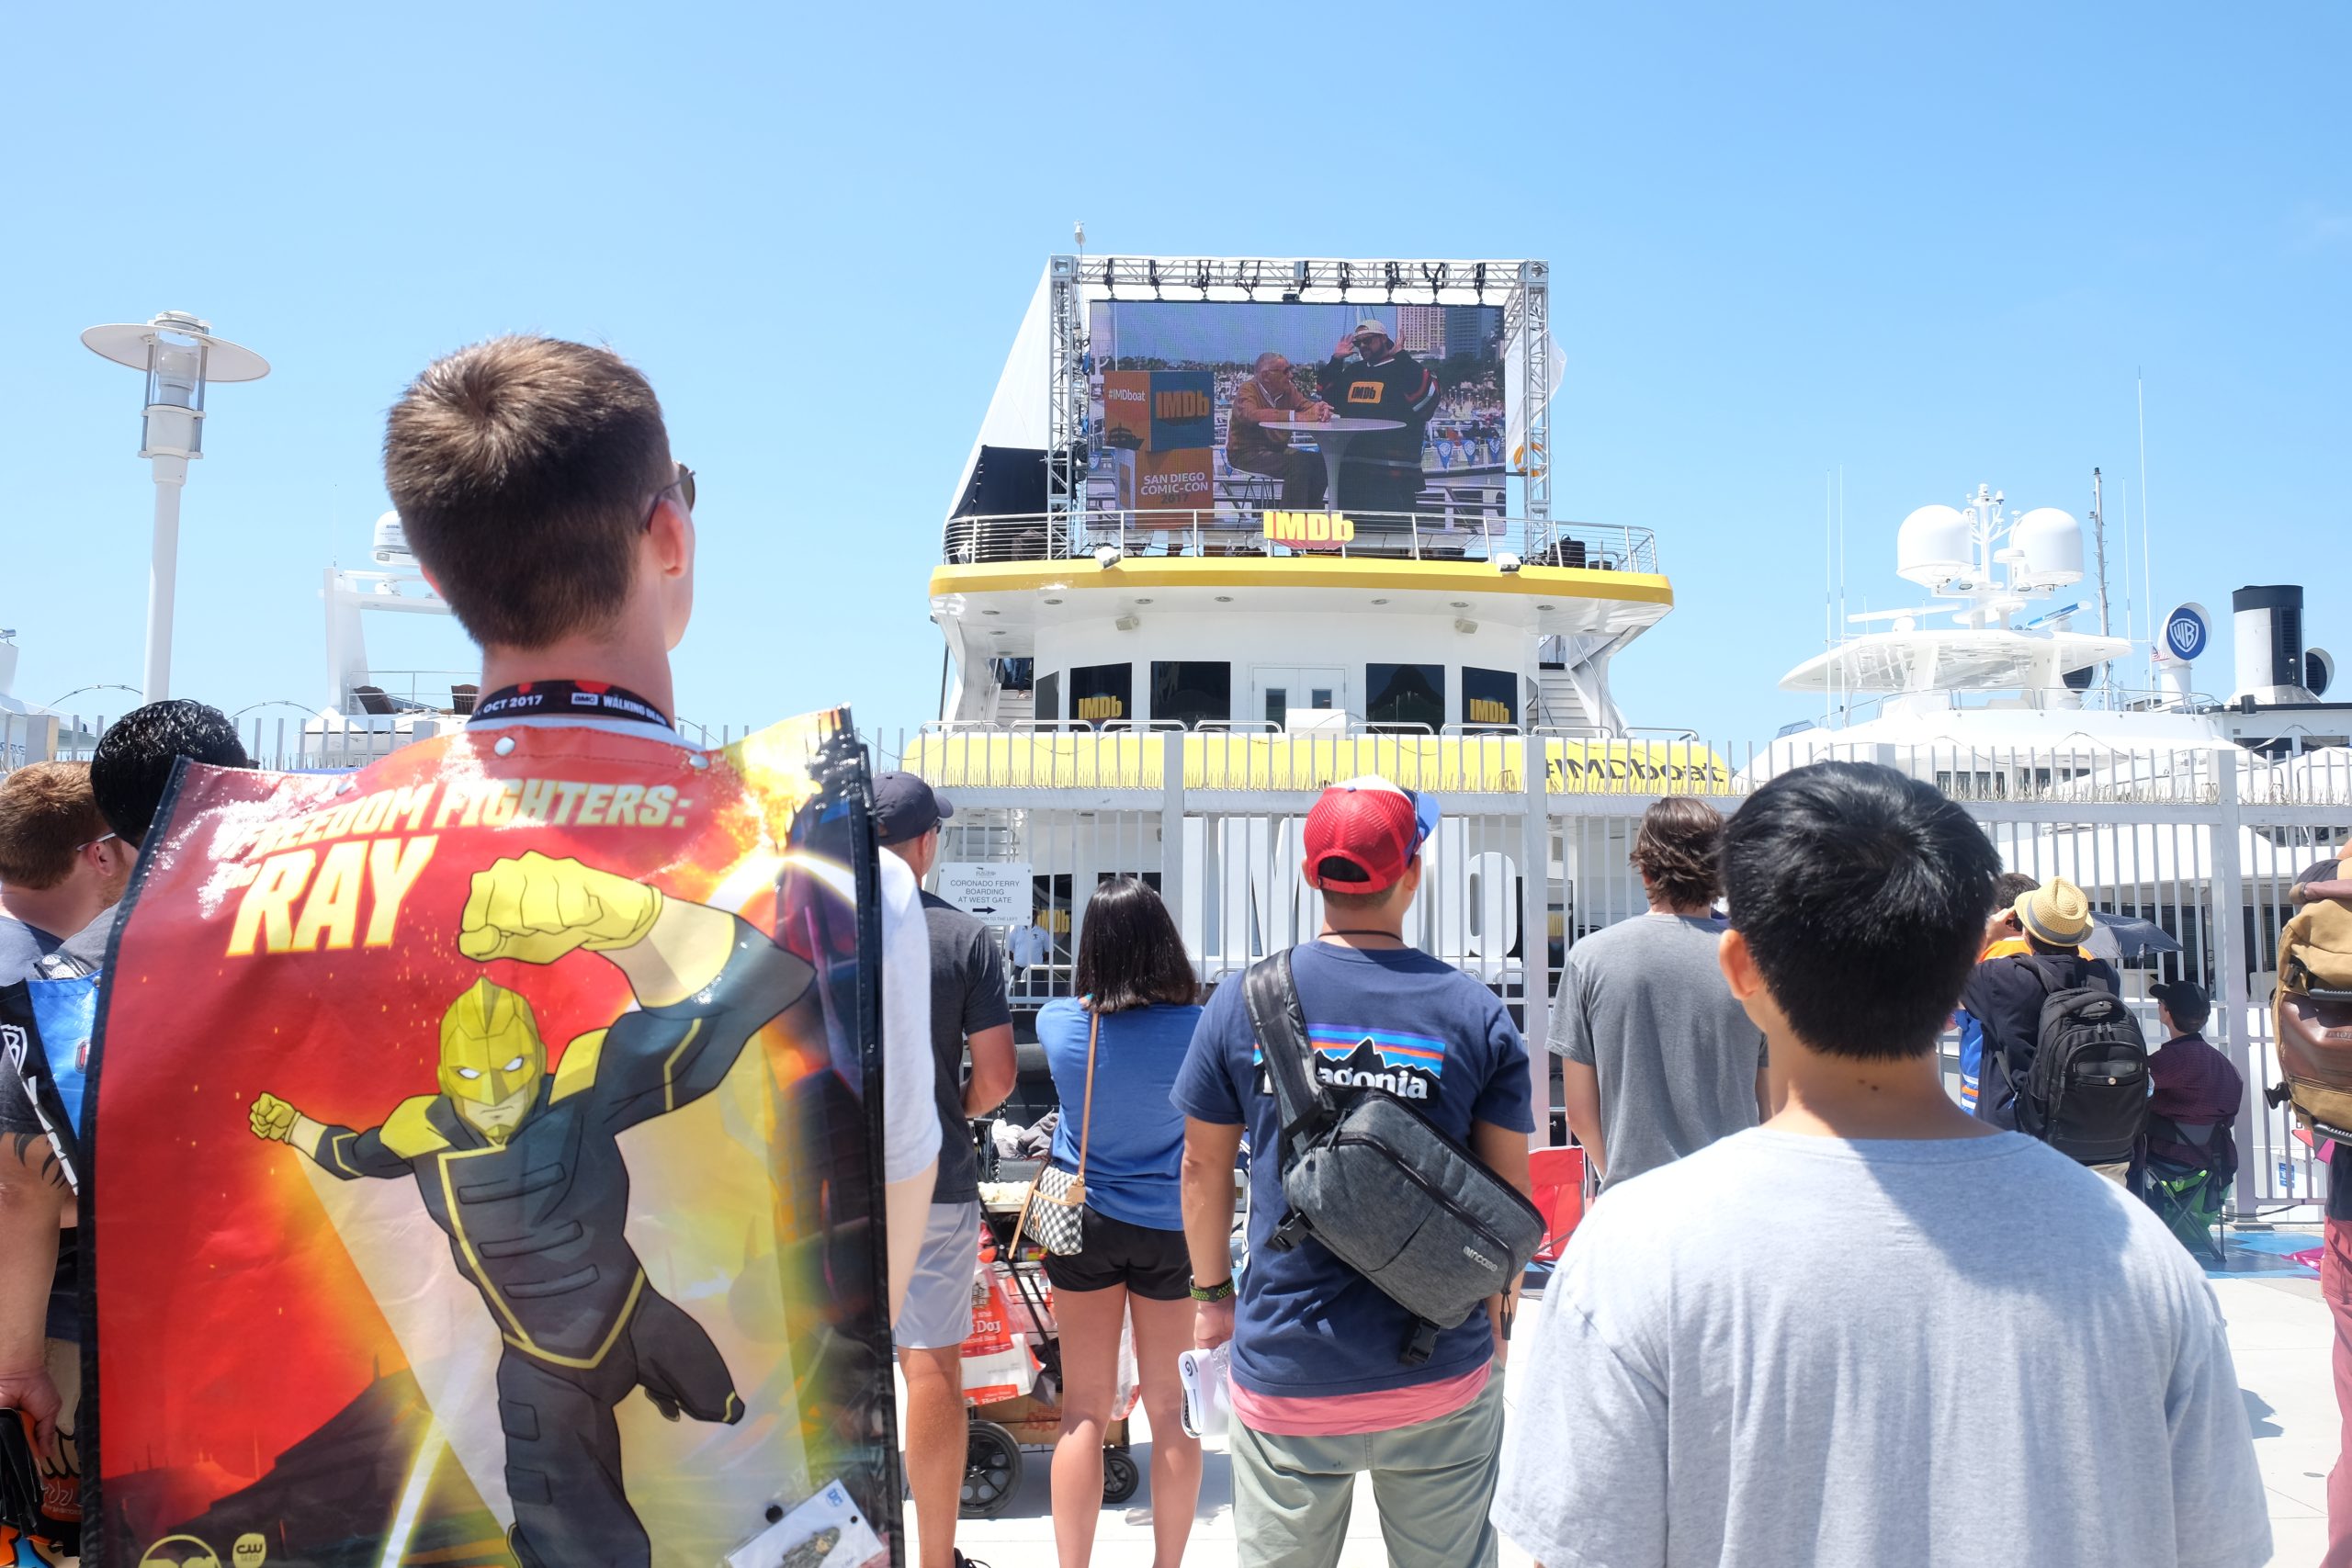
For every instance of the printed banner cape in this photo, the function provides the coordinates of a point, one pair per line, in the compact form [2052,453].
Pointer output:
[484,1159]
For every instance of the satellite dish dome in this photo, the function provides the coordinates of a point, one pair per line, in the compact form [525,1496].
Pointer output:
[2051,543]
[392,542]
[1933,548]
[2319,668]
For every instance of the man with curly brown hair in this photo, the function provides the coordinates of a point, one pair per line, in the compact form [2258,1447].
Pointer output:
[1658,1058]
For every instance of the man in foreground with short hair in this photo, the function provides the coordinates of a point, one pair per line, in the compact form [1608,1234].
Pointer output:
[968,1012]
[1773,1350]
[536,484]
[1658,1058]
[59,864]
[1321,1387]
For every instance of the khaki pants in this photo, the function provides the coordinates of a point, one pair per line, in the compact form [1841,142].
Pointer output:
[2120,1172]
[1434,1482]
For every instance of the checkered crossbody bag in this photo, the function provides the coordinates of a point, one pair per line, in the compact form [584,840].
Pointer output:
[1054,1211]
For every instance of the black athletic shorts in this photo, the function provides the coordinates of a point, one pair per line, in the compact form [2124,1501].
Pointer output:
[1153,1264]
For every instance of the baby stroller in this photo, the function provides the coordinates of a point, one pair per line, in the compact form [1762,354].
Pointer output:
[1012,1378]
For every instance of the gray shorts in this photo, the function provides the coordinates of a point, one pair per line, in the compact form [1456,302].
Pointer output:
[938,1310]
[1433,1483]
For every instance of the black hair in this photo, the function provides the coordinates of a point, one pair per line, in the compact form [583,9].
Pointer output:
[131,766]
[2188,1013]
[1862,895]
[2012,885]
[1130,955]
[2051,949]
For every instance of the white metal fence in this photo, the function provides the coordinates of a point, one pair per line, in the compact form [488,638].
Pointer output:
[2201,843]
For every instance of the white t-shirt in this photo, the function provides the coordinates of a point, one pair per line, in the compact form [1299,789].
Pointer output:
[1941,1353]
[910,1124]
[910,1119]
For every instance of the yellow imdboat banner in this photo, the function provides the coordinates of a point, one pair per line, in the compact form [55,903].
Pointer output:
[1444,764]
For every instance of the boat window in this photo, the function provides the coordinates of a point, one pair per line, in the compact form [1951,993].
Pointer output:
[1404,693]
[1047,699]
[1101,692]
[1278,706]
[1489,697]
[1189,690]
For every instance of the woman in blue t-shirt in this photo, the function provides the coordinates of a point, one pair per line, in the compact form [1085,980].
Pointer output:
[1136,1000]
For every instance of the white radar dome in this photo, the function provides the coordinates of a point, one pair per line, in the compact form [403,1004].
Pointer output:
[1932,547]
[2052,541]
[392,540]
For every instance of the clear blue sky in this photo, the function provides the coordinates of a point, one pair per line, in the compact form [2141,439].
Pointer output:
[1928,244]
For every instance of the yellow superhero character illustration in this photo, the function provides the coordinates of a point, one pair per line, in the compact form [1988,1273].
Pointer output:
[521,1168]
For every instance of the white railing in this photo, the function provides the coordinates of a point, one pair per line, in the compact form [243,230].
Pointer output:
[2203,843]
[1466,533]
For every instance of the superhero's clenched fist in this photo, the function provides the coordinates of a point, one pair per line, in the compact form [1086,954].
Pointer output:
[538,909]
[274,1119]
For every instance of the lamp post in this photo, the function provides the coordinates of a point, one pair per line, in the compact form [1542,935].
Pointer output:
[179,355]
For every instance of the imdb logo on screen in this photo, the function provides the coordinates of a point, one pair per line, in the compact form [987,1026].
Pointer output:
[1309,530]
[1181,403]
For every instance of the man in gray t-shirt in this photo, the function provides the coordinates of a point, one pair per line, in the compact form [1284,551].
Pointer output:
[1659,1058]
[1876,1332]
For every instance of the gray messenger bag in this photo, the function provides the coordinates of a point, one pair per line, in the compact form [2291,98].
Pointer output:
[1380,1189]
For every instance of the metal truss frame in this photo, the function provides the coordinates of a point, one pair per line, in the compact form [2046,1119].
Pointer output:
[1521,288]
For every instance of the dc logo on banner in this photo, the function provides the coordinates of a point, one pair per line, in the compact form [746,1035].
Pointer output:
[2184,633]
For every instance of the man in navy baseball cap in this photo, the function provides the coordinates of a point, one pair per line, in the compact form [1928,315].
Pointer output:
[906,808]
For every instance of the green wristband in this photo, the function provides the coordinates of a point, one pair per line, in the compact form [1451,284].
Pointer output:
[1213,1293]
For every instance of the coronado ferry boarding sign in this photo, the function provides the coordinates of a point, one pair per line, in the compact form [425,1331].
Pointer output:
[484,1160]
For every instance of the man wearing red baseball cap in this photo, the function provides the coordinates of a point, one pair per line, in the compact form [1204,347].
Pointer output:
[1319,1389]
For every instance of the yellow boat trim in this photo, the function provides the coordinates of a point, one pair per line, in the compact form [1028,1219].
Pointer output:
[1304,572]
[1466,764]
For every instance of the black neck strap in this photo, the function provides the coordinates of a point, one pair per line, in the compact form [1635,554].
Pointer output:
[572,699]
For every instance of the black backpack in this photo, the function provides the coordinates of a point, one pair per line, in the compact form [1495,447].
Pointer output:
[1387,1194]
[2086,1093]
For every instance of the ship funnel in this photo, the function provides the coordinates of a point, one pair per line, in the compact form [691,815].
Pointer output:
[2270,636]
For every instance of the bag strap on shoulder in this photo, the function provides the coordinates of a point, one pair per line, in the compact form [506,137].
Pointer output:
[1281,1028]
[1086,1116]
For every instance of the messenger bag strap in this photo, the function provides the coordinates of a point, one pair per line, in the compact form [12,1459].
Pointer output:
[1086,1116]
[1281,1028]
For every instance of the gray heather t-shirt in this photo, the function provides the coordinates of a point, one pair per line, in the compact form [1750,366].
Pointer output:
[1939,1353]
[1644,1005]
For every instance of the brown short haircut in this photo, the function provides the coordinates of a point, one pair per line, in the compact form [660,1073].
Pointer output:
[523,469]
[47,812]
[1679,848]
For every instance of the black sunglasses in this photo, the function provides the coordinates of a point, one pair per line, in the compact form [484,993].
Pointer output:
[684,484]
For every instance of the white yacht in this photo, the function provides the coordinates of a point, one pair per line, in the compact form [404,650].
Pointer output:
[1992,667]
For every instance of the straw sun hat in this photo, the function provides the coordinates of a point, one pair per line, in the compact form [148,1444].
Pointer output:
[2057,912]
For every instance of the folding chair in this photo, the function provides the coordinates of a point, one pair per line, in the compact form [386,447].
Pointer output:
[2190,1197]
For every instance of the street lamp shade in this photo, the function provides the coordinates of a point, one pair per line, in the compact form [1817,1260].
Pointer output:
[127,343]
[179,355]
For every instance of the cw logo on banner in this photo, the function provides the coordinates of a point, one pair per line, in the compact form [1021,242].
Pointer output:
[1309,530]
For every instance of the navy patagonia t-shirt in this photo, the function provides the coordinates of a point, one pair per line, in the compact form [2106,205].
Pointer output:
[1395,1021]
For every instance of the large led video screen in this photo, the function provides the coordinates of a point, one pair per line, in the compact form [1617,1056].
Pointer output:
[1225,409]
